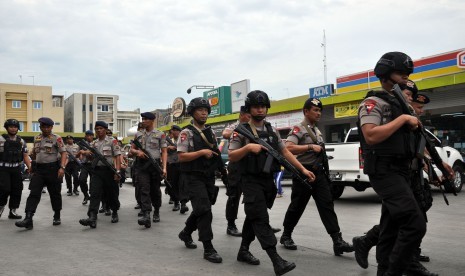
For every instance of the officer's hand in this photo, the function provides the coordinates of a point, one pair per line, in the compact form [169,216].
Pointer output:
[164,173]
[450,171]
[254,148]
[61,173]
[309,175]
[171,147]
[411,121]
[209,153]
[117,177]
[141,154]
[317,148]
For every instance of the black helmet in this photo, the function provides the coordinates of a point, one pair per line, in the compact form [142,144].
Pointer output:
[393,61]
[197,103]
[11,122]
[410,85]
[257,97]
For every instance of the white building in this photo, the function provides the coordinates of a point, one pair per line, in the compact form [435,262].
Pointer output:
[127,120]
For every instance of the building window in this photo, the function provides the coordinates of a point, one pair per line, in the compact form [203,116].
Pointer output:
[57,123]
[57,102]
[21,126]
[35,126]
[105,107]
[83,107]
[83,127]
[16,104]
[90,107]
[37,105]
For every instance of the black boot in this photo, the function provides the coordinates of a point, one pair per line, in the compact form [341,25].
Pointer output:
[245,256]
[107,212]
[232,230]
[56,218]
[26,222]
[91,221]
[156,215]
[187,239]
[339,245]
[280,265]
[69,193]
[287,241]
[415,268]
[176,206]
[212,256]
[14,215]
[114,216]
[86,199]
[145,220]
[362,246]
[184,208]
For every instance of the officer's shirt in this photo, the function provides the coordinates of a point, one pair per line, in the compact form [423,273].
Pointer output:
[232,126]
[374,110]
[299,136]
[173,154]
[238,140]
[108,147]
[152,141]
[72,149]
[85,158]
[47,149]
[186,140]
[2,149]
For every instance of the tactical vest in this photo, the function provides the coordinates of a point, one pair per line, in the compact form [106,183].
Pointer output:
[12,150]
[201,164]
[400,144]
[255,163]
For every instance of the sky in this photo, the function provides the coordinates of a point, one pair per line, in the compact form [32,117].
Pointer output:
[150,52]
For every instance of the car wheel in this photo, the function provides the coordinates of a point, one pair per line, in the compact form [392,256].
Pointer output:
[458,180]
[337,191]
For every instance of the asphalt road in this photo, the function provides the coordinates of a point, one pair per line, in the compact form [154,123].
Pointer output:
[126,248]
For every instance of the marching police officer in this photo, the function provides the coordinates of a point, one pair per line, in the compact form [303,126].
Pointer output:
[72,168]
[234,190]
[87,164]
[13,151]
[173,165]
[48,171]
[103,178]
[306,141]
[198,162]
[148,177]
[257,185]
[388,146]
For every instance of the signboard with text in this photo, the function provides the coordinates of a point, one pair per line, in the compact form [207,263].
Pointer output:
[239,91]
[219,99]
[322,91]
[346,109]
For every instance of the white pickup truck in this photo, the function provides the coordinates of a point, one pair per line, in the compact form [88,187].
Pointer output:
[346,164]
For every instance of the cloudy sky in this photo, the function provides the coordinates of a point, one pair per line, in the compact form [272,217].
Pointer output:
[149,52]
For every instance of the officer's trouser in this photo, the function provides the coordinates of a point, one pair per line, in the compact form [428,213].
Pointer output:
[232,204]
[148,180]
[83,175]
[46,175]
[11,184]
[259,194]
[72,176]
[402,224]
[102,180]
[173,177]
[300,195]
[200,188]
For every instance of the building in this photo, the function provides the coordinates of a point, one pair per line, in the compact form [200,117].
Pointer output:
[27,103]
[83,110]
[127,120]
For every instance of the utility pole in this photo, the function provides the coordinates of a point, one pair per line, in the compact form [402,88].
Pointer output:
[325,68]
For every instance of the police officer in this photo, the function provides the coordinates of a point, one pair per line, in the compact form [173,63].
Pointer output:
[306,141]
[87,164]
[418,103]
[388,146]
[198,162]
[173,165]
[103,178]
[13,151]
[234,190]
[148,177]
[72,168]
[48,171]
[258,186]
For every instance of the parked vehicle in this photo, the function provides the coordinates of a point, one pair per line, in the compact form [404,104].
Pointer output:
[346,164]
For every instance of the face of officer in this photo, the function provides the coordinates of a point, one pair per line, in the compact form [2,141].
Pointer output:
[408,95]
[89,137]
[200,115]
[46,129]
[244,117]
[313,114]
[175,133]
[100,131]
[147,123]
[258,112]
[418,107]
[12,130]
[69,141]
[399,77]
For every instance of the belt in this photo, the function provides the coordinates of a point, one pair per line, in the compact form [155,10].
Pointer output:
[47,165]
[9,165]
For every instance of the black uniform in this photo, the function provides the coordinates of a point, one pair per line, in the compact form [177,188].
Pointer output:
[402,224]
[84,175]
[173,173]
[72,170]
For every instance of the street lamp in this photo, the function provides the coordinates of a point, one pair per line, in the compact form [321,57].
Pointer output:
[199,87]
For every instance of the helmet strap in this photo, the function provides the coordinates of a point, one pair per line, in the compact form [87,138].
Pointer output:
[258,118]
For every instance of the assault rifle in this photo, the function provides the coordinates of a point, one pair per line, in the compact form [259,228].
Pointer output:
[425,139]
[241,129]
[98,156]
[78,162]
[152,161]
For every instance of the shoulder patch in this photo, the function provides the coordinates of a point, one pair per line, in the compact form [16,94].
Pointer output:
[183,136]
[115,142]
[369,105]
[163,136]
[295,130]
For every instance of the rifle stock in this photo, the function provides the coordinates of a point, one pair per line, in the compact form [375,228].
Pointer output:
[99,156]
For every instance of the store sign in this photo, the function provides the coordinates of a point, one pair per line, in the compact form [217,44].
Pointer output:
[322,91]
[461,59]
[213,98]
[239,91]
[346,110]
[178,107]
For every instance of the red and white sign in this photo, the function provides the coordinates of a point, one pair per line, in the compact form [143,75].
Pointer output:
[461,59]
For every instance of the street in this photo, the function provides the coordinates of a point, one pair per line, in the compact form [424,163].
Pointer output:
[125,248]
